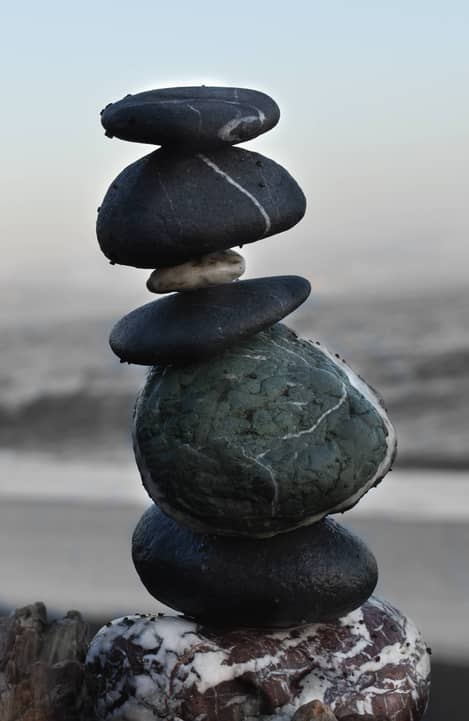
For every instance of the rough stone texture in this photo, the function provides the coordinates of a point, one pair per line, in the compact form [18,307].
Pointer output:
[363,717]
[184,328]
[195,116]
[224,266]
[271,435]
[373,661]
[42,667]
[169,207]
[313,574]
[314,711]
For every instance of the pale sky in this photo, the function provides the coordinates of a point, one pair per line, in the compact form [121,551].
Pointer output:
[375,110]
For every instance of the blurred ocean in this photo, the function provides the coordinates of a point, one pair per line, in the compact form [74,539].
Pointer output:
[62,391]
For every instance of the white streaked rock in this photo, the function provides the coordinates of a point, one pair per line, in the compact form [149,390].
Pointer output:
[216,268]
[373,661]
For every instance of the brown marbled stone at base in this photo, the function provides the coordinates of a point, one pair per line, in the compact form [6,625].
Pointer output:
[371,663]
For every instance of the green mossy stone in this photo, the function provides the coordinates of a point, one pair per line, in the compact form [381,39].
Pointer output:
[271,435]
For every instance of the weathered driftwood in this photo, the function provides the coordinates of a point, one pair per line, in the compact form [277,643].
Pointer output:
[41,666]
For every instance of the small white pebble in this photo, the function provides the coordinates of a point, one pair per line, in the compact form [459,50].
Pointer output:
[223,266]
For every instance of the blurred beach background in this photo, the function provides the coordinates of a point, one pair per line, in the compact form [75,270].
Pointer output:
[374,128]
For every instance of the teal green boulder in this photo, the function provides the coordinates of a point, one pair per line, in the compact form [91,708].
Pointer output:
[269,436]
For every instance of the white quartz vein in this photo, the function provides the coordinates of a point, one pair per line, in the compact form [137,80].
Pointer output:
[258,356]
[321,418]
[199,116]
[168,198]
[178,657]
[256,460]
[205,159]
[365,391]
[227,131]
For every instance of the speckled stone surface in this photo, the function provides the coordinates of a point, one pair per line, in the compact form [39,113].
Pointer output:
[373,661]
[317,573]
[183,328]
[169,207]
[223,266]
[271,435]
[195,116]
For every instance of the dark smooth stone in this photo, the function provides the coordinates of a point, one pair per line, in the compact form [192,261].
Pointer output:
[196,116]
[313,574]
[184,327]
[371,665]
[273,433]
[169,207]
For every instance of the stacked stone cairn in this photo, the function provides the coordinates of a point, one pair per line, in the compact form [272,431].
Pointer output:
[247,438]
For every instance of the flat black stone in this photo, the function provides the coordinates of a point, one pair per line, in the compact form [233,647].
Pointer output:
[169,207]
[193,116]
[184,327]
[318,573]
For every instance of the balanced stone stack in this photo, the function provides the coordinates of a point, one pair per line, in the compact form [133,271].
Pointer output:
[247,438]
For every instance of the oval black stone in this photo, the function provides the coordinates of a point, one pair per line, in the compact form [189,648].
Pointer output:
[184,327]
[169,207]
[194,116]
[313,574]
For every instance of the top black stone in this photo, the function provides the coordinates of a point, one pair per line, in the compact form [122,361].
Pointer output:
[191,116]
